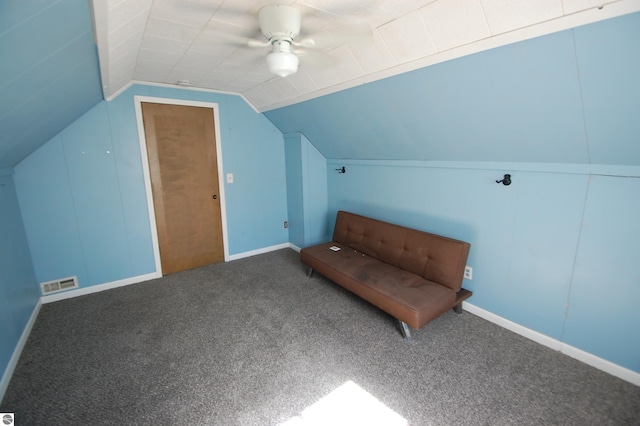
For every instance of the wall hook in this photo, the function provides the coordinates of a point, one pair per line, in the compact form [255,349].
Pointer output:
[341,170]
[505,181]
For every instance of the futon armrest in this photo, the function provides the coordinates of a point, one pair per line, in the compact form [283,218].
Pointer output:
[463,294]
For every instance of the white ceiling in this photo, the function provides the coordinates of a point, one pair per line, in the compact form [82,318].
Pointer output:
[164,41]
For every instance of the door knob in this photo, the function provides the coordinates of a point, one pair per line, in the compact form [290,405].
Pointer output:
[215,196]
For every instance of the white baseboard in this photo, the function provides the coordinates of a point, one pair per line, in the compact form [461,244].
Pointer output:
[140,278]
[100,287]
[589,359]
[294,247]
[259,251]
[8,372]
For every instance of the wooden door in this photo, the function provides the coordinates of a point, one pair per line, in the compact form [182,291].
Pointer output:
[181,147]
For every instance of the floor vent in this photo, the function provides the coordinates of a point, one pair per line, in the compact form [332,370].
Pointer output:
[59,285]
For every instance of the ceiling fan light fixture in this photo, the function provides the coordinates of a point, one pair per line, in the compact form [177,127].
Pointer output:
[281,61]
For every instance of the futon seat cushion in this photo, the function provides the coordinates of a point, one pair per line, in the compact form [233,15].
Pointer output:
[433,257]
[403,294]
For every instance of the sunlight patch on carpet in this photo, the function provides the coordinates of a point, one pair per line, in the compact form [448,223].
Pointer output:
[350,405]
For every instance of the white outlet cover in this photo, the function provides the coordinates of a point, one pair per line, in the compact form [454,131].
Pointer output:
[229,177]
[468,272]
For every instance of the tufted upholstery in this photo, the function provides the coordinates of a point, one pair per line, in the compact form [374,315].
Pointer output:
[413,275]
[433,257]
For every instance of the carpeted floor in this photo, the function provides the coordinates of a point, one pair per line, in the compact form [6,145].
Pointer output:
[254,342]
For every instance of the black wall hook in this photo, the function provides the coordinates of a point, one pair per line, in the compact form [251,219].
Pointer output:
[505,181]
[341,170]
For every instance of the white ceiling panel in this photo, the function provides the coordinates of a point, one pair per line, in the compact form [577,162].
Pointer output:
[131,33]
[172,30]
[376,56]
[226,72]
[169,58]
[346,65]
[323,76]
[151,70]
[386,11]
[164,45]
[408,38]
[572,6]
[192,75]
[341,10]
[455,23]
[247,57]
[302,81]
[184,11]
[259,75]
[196,60]
[259,95]
[206,41]
[124,58]
[216,29]
[509,15]
[285,87]
[272,91]
[119,13]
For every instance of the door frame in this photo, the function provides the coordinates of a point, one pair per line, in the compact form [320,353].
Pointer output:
[144,157]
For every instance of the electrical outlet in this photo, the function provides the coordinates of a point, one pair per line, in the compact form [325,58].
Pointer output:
[468,272]
[229,177]
[286,224]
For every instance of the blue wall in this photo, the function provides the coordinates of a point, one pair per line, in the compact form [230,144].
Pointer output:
[295,188]
[306,191]
[50,72]
[19,291]
[83,198]
[568,97]
[555,251]
[603,314]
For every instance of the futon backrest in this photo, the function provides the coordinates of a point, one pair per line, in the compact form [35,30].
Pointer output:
[433,257]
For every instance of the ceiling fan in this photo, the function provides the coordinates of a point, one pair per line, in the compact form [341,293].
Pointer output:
[280,25]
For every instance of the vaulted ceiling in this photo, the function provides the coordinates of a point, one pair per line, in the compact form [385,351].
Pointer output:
[201,41]
[53,73]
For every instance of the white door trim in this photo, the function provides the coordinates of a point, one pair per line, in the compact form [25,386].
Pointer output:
[138,100]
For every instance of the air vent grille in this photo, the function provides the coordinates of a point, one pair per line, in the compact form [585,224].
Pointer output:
[59,285]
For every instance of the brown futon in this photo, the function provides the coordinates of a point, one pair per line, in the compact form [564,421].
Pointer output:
[412,275]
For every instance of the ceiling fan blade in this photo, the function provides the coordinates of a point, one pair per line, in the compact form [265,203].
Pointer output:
[307,43]
[242,41]
[258,43]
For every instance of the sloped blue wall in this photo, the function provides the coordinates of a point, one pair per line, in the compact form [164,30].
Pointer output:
[568,97]
[19,293]
[555,251]
[50,72]
[83,198]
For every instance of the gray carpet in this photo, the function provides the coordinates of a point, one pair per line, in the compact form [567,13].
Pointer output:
[254,342]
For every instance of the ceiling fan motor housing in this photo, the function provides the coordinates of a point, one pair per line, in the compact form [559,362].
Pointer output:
[278,22]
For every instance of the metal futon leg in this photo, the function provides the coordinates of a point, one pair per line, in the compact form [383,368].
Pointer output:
[310,273]
[405,330]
